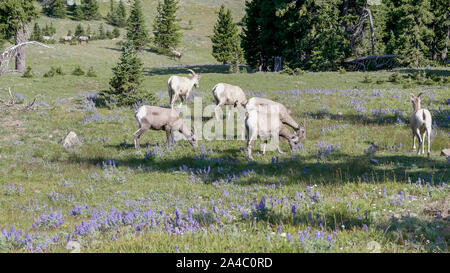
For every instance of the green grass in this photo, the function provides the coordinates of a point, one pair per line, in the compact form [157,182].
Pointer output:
[355,188]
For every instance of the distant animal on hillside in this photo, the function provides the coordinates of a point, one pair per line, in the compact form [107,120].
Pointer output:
[84,39]
[176,54]
[158,118]
[65,39]
[48,38]
[181,87]
[420,123]
[227,94]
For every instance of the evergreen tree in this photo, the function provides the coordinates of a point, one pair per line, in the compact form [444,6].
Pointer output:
[121,15]
[101,32]
[407,30]
[78,12]
[14,16]
[111,16]
[127,78]
[441,30]
[136,30]
[251,32]
[56,8]
[88,30]
[225,41]
[79,31]
[167,32]
[116,32]
[90,10]
[36,35]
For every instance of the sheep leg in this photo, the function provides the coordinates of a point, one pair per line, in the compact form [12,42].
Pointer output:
[250,146]
[137,135]
[168,130]
[174,98]
[417,132]
[429,141]
[423,142]
[414,141]
[264,147]
[218,107]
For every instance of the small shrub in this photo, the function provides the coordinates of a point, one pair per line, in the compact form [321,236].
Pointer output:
[395,78]
[287,70]
[78,71]
[299,71]
[342,70]
[51,73]
[28,73]
[367,79]
[73,42]
[59,71]
[91,72]
[116,32]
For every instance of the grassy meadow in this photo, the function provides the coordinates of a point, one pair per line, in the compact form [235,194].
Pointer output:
[354,185]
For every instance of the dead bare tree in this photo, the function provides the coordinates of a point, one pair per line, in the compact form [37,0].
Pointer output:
[12,103]
[12,52]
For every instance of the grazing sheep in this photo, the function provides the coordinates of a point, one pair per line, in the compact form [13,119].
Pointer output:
[181,87]
[284,113]
[265,123]
[48,38]
[420,123]
[65,39]
[84,39]
[176,54]
[227,94]
[158,118]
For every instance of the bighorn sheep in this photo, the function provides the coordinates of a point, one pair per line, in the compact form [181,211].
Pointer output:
[176,54]
[284,113]
[264,121]
[65,39]
[84,39]
[227,94]
[420,123]
[48,38]
[158,118]
[182,86]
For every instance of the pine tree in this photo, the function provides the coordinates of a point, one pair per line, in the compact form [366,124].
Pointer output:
[90,10]
[136,30]
[121,15]
[101,32]
[225,41]
[111,16]
[36,35]
[14,15]
[57,8]
[116,32]
[441,30]
[167,32]
[78,12]
[251,32]
[79,31]
[407,31]
[125,85]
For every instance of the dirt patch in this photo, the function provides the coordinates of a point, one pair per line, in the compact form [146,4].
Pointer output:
[439,208]
[12,127]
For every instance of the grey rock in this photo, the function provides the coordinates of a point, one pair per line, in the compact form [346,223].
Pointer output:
[70,140]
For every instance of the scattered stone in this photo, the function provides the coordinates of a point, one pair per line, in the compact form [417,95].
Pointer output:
[74,246]
[446,152]
[70,140]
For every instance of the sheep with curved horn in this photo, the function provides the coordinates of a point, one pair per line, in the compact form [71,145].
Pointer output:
[180,87]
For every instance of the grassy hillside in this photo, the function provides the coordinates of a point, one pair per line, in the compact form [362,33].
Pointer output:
[332,194]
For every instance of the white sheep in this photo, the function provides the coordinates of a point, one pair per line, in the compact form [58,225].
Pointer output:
[420,123]
[264,122]
[284,113]
[227,94]
[181,87]
[158,118]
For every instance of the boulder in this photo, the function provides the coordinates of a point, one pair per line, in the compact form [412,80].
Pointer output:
[70,140]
